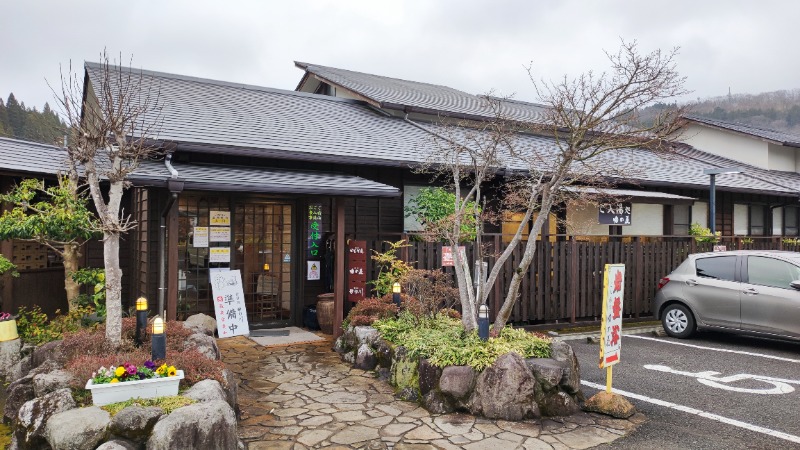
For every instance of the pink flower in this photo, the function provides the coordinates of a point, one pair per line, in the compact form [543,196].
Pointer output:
[130,369]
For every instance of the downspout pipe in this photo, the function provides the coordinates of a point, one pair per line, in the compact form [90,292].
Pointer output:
[175,185]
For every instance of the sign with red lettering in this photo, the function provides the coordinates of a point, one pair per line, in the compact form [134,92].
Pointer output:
[447,255]
[229,307]
[356,270]
[611,322]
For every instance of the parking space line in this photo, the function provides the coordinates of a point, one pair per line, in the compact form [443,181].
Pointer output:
[723,350]
[697,412]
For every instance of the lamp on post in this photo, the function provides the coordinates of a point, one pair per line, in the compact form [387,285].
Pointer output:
[483,322]
[159,345]
[712,197]
[141,319]
[396,293]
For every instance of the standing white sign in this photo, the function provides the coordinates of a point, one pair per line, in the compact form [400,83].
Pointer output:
[611,325]
[229,304]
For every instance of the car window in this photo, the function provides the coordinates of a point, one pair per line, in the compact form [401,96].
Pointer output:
[718,267]
[771,272]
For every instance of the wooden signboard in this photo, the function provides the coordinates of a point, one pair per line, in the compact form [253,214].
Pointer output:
[229,304]
[356,270]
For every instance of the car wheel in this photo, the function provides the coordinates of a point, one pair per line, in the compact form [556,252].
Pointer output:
[678,321]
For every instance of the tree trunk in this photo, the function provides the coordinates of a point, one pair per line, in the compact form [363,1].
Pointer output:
[113,288]
[71,255]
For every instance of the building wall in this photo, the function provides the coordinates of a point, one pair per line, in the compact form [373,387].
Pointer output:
[700,213]
[782,158]
[646,220]
[728,144]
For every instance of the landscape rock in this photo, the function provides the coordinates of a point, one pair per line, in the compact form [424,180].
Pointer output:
[201,322]
[34,414]
[210,425]
[206,391]
[135,422]
[19,393]
[9,355]
[367,335]
[404,370]
[118,444]
[77,429]
[571,380]
[365,358]
[50,351]
[437,403]
[383,353]
[45,383]
[20,369]
[409,394]
[547,372]
[231,387]
[613,405]
[557,403]
[505,390]
[205,344]
[457,381]
[428,376]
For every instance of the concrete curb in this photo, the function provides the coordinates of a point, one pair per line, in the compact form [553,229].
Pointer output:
[596,334]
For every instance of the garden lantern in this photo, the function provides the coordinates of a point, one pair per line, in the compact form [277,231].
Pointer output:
[159,342]
[483,322]
[141,319]
[396,293]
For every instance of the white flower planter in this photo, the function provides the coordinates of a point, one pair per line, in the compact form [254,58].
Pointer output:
[103,394]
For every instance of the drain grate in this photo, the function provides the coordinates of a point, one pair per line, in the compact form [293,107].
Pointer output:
[268,333]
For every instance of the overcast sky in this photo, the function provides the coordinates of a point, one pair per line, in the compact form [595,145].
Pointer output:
[475,46]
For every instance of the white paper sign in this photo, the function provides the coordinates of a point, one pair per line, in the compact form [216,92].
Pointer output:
[220,234]
[229,304]
[313,270]
[220,218]
[200,237]
[219,255]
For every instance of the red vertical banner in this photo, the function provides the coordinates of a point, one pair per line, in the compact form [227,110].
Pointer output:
[356,270]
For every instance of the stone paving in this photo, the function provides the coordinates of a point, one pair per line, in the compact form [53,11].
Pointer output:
[303,396]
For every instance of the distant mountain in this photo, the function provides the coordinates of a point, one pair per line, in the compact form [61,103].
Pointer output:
[19,122]
[779,110]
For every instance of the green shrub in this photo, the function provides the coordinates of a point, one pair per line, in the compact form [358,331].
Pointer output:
[95,279]
[443,341]
[392,268]
[7,266]
[34,327]
[703,234]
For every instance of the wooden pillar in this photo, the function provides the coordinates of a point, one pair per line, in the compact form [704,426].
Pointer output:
[573,287]
[338,280]
[172,263]
[7,250]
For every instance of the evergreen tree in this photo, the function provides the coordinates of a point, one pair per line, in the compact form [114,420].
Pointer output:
[16,116]
[4,128]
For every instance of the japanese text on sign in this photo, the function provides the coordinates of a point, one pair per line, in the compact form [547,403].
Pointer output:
[611,323]
[615,213]
[314,231]
[229,304]
[356,270]
[220,218]
[447,255]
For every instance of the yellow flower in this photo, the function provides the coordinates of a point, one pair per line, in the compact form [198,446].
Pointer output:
[114,380]
[162,370]
[171,372]
[120,371]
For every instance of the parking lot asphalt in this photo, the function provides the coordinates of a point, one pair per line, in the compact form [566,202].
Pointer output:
[714,391]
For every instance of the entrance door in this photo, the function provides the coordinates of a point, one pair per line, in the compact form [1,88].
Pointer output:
[263,249]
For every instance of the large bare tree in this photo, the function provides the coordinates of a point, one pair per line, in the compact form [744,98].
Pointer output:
[113,124]
[585,120]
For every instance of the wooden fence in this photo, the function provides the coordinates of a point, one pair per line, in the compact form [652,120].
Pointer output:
[565,281]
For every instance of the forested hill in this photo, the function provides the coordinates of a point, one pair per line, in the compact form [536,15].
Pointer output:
[20,122]
[779,110]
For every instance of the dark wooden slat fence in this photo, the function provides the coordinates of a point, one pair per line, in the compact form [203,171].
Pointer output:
[564,284]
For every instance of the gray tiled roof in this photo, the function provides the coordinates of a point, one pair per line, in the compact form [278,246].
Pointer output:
[220,117]
[40,159]
[394,93]
[780,137]
[31,157]
[205,177]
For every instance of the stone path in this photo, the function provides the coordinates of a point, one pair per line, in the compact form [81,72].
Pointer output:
[303,397]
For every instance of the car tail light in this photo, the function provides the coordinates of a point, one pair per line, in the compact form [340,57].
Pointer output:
[662,282]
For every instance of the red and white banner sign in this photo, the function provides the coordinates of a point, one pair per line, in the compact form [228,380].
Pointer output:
[611,324]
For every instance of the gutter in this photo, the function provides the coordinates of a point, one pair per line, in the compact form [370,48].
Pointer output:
[175,185]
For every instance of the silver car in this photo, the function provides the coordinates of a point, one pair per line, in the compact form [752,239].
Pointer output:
[746,291]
